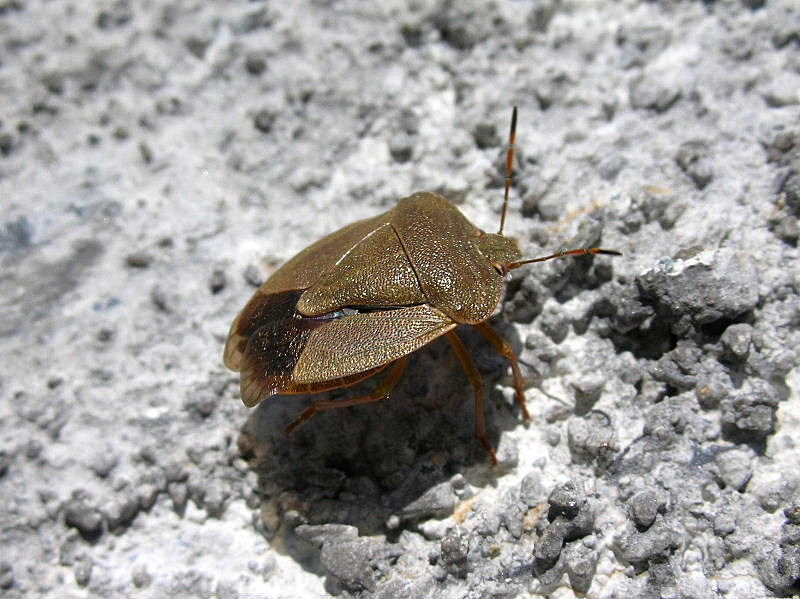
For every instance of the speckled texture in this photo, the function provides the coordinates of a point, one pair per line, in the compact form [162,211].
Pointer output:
[158,160]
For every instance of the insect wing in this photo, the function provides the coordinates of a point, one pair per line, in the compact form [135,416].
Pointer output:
[376,272]
[354,344]
[305,269]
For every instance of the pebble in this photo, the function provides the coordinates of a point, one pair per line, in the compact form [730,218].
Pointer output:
[86,518]
[735,467]
[6,575]
[319,534]
[749,414]
[120,513]
[644,507]
[653,93]
[736,341]
[179,495]
[436,502]
[694,158]
[83,572]
[141,577]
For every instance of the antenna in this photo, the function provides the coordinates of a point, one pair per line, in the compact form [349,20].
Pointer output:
[512,138]
[562,253]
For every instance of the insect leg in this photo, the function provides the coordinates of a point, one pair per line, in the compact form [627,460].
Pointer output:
[504,348]
[382,391]
[477,384]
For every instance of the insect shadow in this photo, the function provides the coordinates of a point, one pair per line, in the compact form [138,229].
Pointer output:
[368,464]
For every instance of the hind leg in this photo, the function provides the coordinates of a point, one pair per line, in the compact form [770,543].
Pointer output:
[381,392]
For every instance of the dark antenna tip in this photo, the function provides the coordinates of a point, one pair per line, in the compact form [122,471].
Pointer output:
[512,138]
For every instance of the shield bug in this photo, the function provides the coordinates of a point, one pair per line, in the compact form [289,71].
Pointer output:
[362,299]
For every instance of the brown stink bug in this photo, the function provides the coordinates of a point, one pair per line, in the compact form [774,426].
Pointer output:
[365,297]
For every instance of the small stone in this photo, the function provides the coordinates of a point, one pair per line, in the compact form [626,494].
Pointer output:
[401,147]
[16,234]
[552,436]
[254,63]
[226,589]
[163,300]
[141,577]
[486,518]
[485,136]
[566,499]
[393,522]
[197,46]
[790,534]
[548,546]
[103,463]
[779,569]
[736,342]
[587,387]
[711,391]
[175,472]
[611,165]
[581,565]
[203,402]
[33,449]
[434,530]
[785,33]
[116,14]
[146,152]
[638,44]
[772,493]
[217,281]
[7,143]
[180,497]
[253,275]
[83,572]
[269,566]
[591,439]
[6,575]
[454,550]
[644,506]
[86,518]
[508,451]
[736,467]
[437,502]
[269,518]
[120,514]
[263,120]
[781,91]
[348,564]
[554,324]
[531,489]
[138,260]
[724,524]
[705,288]
[215,498]
[694,159]
[146,495]
[792,514]
[749,415]
[513,515]
[656,543]
[653,93]
[319,534]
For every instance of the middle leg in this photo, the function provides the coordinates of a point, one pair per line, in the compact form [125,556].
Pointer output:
[504,347]
[477,384]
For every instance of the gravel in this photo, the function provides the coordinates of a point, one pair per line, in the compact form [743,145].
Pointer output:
[159,160]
